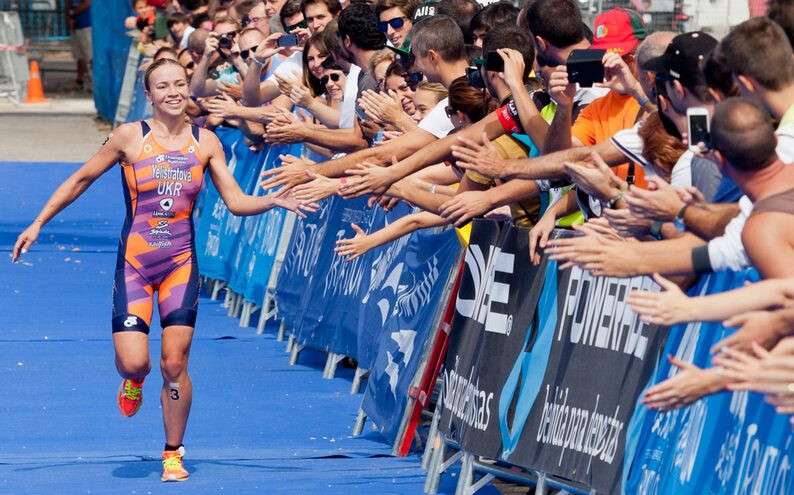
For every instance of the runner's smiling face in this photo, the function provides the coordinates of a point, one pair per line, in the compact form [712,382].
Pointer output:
[168,89]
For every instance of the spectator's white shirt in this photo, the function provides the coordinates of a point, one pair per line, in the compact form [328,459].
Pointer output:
[785,143]
[629,142]
[727,251]
[290,68]
[681,176]
[347,116]
[436,122]
[185,36]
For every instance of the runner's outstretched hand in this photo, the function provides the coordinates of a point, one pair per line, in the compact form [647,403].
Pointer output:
[25,241]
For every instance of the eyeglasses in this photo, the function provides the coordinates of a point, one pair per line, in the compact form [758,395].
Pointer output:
[334,76]
[396,23]
[244,54]
[251,20]
[301,25]
[190,65]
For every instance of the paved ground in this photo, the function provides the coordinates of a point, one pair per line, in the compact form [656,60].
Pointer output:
[31,137]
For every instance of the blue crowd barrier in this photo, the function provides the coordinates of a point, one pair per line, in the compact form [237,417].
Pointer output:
[729,442]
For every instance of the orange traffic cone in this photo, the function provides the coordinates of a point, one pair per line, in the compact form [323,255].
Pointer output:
[35,88]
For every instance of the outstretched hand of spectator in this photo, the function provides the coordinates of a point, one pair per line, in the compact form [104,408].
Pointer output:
[288,202]
[291,173]
[234,91]
[663,308]
[466,205]
[354,247]
[317,189]
[286,129]
[595,178]
[626,223]
[659,202]
[764,327]
[367,178]
[482,157]
[222,105]
[381,107]
[599,253]
[689,384]
[759,370]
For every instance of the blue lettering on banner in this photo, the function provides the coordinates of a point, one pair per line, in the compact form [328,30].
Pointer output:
[731,443]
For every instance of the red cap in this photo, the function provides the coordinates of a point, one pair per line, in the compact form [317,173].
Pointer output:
[159,4]
[618,30]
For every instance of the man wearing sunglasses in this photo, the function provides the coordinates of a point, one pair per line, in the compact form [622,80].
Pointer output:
[395,20]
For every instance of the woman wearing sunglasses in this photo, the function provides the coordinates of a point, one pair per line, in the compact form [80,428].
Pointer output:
[395,19]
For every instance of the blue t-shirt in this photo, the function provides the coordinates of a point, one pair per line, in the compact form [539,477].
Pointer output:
[727,192]
[82,20]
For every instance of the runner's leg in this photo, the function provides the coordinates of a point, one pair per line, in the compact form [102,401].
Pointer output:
[177,393]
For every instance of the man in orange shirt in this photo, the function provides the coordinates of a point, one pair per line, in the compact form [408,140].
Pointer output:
[619,32]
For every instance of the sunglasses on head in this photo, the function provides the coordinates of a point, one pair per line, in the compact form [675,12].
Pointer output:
[450,111]
[333,77]
[301,25]
[395,23]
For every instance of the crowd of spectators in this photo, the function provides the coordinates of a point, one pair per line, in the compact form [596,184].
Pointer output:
[467,111]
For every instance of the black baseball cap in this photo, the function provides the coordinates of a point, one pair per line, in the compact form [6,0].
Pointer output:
[684,58]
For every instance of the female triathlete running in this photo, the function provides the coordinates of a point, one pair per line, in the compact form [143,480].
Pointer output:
[162,167]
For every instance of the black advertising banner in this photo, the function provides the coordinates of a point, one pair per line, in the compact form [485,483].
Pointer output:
[544,366]
[490,330]
[601,357]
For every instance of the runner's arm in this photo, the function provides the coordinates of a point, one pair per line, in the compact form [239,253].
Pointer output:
[111,152]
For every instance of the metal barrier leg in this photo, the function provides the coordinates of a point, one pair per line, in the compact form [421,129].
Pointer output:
[245,316]
[433,438]
[540,488]
[296,349]
[357,377]
[438,466]
[466,475]
[238,306]
[331,363]
[290,343]
[282,327]
[216,289]
[264,315]
[227,298]
[358,427]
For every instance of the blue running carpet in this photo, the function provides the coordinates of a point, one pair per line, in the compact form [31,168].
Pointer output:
[257,425]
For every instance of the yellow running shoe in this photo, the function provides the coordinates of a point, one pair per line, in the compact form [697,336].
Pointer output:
[173,468]
[130,397]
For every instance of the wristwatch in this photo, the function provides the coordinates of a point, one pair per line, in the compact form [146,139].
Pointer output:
[679,223]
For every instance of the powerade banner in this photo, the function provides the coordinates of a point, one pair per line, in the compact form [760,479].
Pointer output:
[727,443]
[530,376]
[330,312]
[492,341]
[601,356]
[386,266]
[409,302]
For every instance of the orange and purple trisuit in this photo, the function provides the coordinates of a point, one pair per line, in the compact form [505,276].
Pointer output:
[157,248]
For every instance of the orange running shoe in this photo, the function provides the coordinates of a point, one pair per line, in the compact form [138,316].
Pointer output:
[130,397]
[173,468]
